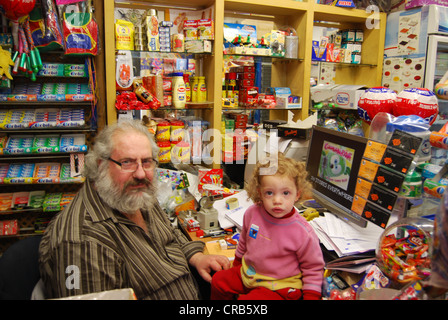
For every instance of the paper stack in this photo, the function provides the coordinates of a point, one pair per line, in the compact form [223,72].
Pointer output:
[232,217]
[345,238]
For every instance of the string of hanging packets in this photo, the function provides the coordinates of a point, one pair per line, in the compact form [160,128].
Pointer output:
[26,58]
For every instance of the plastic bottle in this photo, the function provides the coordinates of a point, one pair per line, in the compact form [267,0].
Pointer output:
[187,87]
[194,89]
[411,190]
[231,84]
[179,95]
[202,90]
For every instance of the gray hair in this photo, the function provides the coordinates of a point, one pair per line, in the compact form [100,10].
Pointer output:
[104,145]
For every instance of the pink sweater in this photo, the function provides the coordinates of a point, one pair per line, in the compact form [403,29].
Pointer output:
[279,249]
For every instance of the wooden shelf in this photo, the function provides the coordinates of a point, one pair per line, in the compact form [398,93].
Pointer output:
[294,73]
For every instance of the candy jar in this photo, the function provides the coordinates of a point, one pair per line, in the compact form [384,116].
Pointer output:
[404,250]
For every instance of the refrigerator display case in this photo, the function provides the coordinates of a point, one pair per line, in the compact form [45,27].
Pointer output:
[436,59]
[406,61]
[435,68]
[416,51]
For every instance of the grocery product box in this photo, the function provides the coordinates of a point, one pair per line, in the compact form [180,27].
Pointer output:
[248,96]
[345,96]
[234,30]
[291,131]
[191,29]
[206,29]
[319,52]
[198,46]
[9,227]
[288,102]
[249,50]
[284,98]
[276,40]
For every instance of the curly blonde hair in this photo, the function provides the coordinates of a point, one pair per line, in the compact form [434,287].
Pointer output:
[283,166]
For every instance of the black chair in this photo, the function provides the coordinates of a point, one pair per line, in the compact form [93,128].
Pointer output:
[19,269]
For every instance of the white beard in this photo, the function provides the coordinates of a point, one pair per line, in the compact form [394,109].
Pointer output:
[122,200]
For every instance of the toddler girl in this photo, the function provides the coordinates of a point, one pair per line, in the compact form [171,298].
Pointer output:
[278,255]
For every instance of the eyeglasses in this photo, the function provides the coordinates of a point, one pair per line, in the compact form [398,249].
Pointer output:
[132,165]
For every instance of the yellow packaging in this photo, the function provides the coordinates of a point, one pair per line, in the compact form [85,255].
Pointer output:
[152,33]
[374,150]
[368,169]
[177,130]
[358,204]
[164,151]
[363,188]
[163,131]
[180,153]
[124,35]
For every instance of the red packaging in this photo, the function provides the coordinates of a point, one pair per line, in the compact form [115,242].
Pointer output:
[238,117]
[240,125]
[246,83]
[249,69]
[8,227]
[209,176]
[167,84]
[248,96]
[192,225]
[247,75]
[418,101]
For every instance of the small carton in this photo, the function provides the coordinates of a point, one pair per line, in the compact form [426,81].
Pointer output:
[206,29]
[191,29]
[347,96]
[319,52]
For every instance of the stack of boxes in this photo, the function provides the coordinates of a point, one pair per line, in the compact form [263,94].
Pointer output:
[198,34]
[164,36]
[194,38]
[239,89]
[246,82]
[343,46]
[235,143]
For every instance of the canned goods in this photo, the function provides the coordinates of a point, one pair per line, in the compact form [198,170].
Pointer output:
[163,131]
[177,130]
[164,151]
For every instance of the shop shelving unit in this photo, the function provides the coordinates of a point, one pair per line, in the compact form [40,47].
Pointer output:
[293,73]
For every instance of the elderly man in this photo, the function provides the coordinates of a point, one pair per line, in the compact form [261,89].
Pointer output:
[115,235]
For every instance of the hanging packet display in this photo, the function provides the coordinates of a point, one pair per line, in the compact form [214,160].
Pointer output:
[80,33]
[124,35]
[45,30]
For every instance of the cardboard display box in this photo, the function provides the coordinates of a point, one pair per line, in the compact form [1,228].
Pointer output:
[345,96]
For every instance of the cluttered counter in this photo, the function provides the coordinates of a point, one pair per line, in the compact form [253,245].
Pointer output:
[391,257]
[361,263]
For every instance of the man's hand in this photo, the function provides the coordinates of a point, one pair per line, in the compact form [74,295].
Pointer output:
[205,264]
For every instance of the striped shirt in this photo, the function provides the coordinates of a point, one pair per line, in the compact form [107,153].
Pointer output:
[108,251]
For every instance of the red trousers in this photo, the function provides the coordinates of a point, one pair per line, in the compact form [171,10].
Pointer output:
[227,284]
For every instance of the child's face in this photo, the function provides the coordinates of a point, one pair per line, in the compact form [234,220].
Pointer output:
[278,194]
